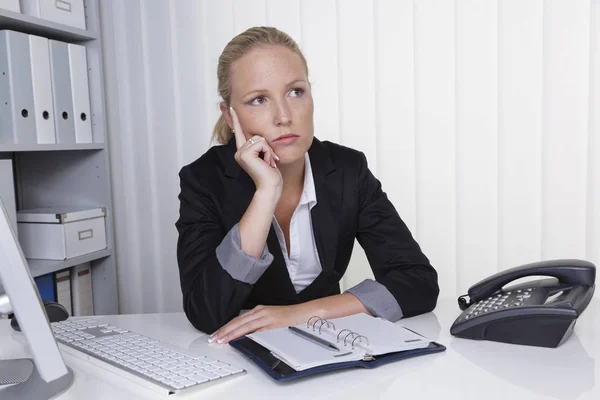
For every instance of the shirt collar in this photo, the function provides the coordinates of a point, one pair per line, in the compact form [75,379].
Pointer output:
[309,195]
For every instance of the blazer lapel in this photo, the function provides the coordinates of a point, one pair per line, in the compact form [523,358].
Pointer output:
[325,214]
[239,182]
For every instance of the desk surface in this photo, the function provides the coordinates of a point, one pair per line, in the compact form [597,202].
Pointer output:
[468,369]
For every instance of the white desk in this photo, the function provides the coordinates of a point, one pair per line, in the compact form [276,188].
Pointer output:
[468,369]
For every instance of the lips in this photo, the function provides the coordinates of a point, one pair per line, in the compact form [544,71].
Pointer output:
[287,138]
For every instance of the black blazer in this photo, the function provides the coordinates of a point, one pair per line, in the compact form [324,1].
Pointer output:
[215,193]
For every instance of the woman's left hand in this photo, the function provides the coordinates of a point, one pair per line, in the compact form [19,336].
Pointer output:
[261,318]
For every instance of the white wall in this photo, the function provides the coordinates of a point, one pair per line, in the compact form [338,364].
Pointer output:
[480,117]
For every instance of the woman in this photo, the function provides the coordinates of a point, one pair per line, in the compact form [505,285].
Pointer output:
[268,220]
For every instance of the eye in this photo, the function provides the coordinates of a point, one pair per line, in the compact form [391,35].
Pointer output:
[297,92]
[257,101]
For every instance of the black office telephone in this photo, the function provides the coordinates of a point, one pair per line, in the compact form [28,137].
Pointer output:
[542,312]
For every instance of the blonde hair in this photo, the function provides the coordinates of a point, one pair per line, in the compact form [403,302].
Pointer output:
[235,49]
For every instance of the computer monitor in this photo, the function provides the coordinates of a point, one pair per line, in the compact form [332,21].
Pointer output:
[19,295]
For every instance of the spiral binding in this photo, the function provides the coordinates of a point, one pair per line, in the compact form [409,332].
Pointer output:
[350,338]
[323,321]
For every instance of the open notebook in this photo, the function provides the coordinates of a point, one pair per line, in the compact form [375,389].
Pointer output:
[358,337]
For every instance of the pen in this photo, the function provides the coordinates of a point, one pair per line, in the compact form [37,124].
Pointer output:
[313,338]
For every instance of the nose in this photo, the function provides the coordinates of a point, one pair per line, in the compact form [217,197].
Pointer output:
[282,114]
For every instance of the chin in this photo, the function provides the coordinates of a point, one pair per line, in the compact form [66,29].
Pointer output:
[288,158]
[292,154]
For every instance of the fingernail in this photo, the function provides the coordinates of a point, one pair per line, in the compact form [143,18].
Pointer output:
[221,340]
[230,109]
[277,158]
[211,339]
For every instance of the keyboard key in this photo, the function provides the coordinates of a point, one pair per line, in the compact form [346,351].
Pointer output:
[222,373]
[170,375]
[164,373]
[188,383]
[209,375]
[179,369]
[199,378]
[219,364]
[179,378]
[233,370]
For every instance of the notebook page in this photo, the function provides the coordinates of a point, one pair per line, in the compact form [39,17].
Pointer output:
[384,336]
[300,353]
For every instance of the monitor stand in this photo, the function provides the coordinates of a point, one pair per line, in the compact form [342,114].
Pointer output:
[32,388]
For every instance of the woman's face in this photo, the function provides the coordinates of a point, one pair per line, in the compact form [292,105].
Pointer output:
[271,96]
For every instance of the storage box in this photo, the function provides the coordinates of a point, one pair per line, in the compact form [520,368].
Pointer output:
[68,12]
[10,5]
[60,233]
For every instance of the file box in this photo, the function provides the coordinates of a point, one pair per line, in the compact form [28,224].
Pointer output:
[60,233]
[67,12]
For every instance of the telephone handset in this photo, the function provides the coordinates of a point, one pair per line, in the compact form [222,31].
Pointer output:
[542,312]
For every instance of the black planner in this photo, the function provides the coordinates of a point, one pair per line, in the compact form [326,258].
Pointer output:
[358,341]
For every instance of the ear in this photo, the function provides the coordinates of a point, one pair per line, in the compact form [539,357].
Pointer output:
[226,114]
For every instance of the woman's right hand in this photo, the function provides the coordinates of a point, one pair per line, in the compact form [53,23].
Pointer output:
[263,171]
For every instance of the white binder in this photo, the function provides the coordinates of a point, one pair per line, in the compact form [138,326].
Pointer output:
[81,93]
[62,281]
[68,12]
[7,191]
[61,92]
[81,290]
[10,5]
[17,113]
[42,89]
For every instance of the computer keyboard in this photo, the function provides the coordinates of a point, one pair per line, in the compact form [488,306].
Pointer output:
[164,366]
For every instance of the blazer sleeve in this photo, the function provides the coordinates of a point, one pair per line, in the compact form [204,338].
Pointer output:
[211,296]
[394,256]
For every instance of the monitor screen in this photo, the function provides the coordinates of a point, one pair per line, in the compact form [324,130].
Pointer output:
[22,298]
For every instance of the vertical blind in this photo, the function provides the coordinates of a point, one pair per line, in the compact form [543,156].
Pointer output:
[481,118]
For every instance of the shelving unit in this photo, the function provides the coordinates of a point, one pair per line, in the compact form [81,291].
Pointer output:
[11,148]
[42,267]
[75,175]
[36,26]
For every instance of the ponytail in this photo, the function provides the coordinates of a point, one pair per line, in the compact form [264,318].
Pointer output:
[221,132]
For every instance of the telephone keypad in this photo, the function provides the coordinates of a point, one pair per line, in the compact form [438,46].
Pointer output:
[499,301]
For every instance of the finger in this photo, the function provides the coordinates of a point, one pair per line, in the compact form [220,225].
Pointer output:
[232,326]
[256,142]
[244,329]
[268,158]
[273,159]
[259,145]
[222,330]
[240,138]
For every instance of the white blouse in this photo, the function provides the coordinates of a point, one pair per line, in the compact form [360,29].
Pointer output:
[303,262]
